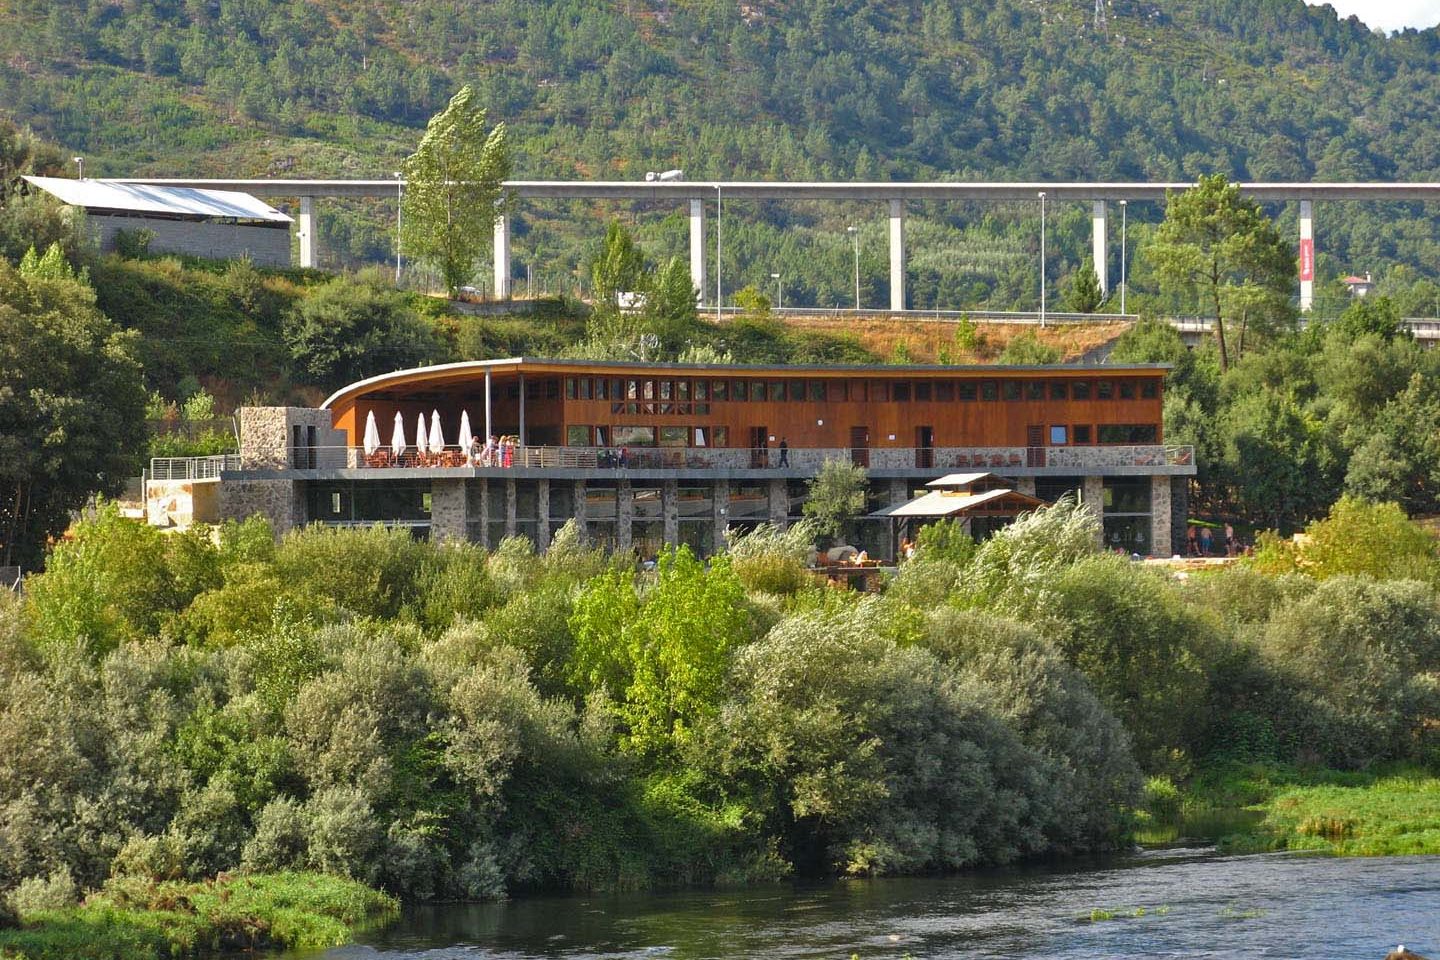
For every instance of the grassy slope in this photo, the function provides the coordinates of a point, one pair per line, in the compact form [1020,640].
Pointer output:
[132,919]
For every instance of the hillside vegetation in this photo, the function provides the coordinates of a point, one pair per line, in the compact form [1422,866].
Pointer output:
[818,89]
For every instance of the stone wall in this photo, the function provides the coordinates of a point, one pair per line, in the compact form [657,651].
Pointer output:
[266,434]
[280,500]
[1179,513]
[1092,497]
[449,510]
[1161,540]
[265,246]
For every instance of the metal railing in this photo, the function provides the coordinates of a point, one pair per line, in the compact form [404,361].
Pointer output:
[192,468]
[985,459]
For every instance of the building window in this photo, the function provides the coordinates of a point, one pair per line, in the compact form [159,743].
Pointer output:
[923,391]
[601,393]
[879,392]
[1104,390]
[777,391]
[989,390]
[673,436]
[1130,433]
[720,389]
[700,437]
[682,389]
[632,389]
[797,391]
[1149,389]
[1080,390]
[857,391]
[1059,390]
[577,436]
[335,504]
[741,390]
[600,436]
[722,436]
[757,391]
[1059,436]
[1034,390]
[634,436]
[569,388]
[667,390]
[1127,389]
[648,389]
[945,391]
[900,392]
[584,388]
[817,391]
[965,391]
[1010,389]
[1082,433]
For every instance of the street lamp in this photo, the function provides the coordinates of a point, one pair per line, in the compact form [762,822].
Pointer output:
[779,292]
[399,206]
[1124,209]
[80,162]
[854,231]
[719,217]
[1042,258]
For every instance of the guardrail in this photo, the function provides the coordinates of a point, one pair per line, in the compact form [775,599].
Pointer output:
[999,459]
[192,468]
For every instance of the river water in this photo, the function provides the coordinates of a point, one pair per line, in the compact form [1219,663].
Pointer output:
[1176,902]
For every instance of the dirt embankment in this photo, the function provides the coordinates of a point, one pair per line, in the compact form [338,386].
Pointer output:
[955,341]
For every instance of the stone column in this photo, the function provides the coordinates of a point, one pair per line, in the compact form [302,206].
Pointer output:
[670,511]
[1179,512]
[779,504]
[479,499]
[1098,248]
[282,502]
[511,495]
[306,233]
[1025,485]
[1307,255]
[578,511]
[502,257]
[449,510]
[1160,539]
[1092,496]
[542,514]
[697,247]
[899,491]
[720,511]
[897,254]
[624,516]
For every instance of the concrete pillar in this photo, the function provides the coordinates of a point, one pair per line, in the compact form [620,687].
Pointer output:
[489,426]
[1098,248]
[1025,485]
[697,247]
[720,511]
[624,516]
[1160,538]
[1092,496]
[578,511]
[1307,255]
[449,511]
[502,257]
[779,504]
[307,231]
[670,512]
[521,432]
[542,514]
[511,495]
[897,254]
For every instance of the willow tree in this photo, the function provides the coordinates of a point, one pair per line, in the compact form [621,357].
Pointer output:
[1219,248]
[454,189]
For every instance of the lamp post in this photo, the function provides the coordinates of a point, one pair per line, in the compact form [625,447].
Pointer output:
[80,163]
[779,292]
[1124,209]
[399,207]
[719,217]
[854,232]
[1042,258]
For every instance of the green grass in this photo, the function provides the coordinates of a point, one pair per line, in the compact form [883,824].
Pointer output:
[1391,816]
[134,919]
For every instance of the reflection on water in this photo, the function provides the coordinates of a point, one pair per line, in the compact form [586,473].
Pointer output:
[1203,827]
[1195,904]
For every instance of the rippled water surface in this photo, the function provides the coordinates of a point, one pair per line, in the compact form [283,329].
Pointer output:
[1195,904]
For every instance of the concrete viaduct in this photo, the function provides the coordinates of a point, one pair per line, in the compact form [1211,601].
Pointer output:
[895,195]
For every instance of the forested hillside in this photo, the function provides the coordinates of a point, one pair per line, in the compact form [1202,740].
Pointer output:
[818,89]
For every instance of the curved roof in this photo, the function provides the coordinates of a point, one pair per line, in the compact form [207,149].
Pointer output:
[167,201]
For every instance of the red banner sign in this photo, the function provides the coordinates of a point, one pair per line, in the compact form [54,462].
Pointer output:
[1307,259]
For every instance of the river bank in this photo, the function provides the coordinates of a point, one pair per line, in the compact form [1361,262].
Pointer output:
[139,919]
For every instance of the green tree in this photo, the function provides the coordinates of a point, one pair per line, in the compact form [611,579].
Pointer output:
[1083,293]
[837,496]
[1026,349]
[72,408]
[1377,315]
[454,185]
[618,268]
[1220,249]
[352,327]
[670,306]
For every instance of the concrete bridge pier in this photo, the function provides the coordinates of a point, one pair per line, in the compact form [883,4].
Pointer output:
[306,234]
[502,256]
[1307,255]
[1098,246]
[897,254]
[697,246]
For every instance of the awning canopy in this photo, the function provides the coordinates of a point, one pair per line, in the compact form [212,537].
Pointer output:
[939,503]
[964,480]
[187,202]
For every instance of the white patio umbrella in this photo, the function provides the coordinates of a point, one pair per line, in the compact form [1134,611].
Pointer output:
[437,436]
[420,443]
[465,435]
[397,436]
[372,435]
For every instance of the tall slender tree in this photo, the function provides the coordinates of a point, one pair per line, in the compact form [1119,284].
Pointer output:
[454,189]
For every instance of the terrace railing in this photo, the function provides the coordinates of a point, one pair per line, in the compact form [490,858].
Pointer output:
[192,468]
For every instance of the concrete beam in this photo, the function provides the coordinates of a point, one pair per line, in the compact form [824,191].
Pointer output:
[1098,247]
[307,231]
[502,257]
[697,246]
[897,254]
[1307,255]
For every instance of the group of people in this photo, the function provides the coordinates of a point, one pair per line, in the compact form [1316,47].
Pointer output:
[1200,542]
[494,452]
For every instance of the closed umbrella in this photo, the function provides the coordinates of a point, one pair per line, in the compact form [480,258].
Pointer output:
[397,437]
[466,437]
[420,443]
[372,435]
[437,436]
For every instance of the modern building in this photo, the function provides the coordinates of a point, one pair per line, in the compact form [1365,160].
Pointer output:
[216,224]
[642,455]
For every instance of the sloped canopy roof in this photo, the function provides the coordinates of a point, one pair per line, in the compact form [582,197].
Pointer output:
[165,201]
[961,479]
[941,504]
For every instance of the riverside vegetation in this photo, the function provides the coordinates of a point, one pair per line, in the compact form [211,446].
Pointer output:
[439,721]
